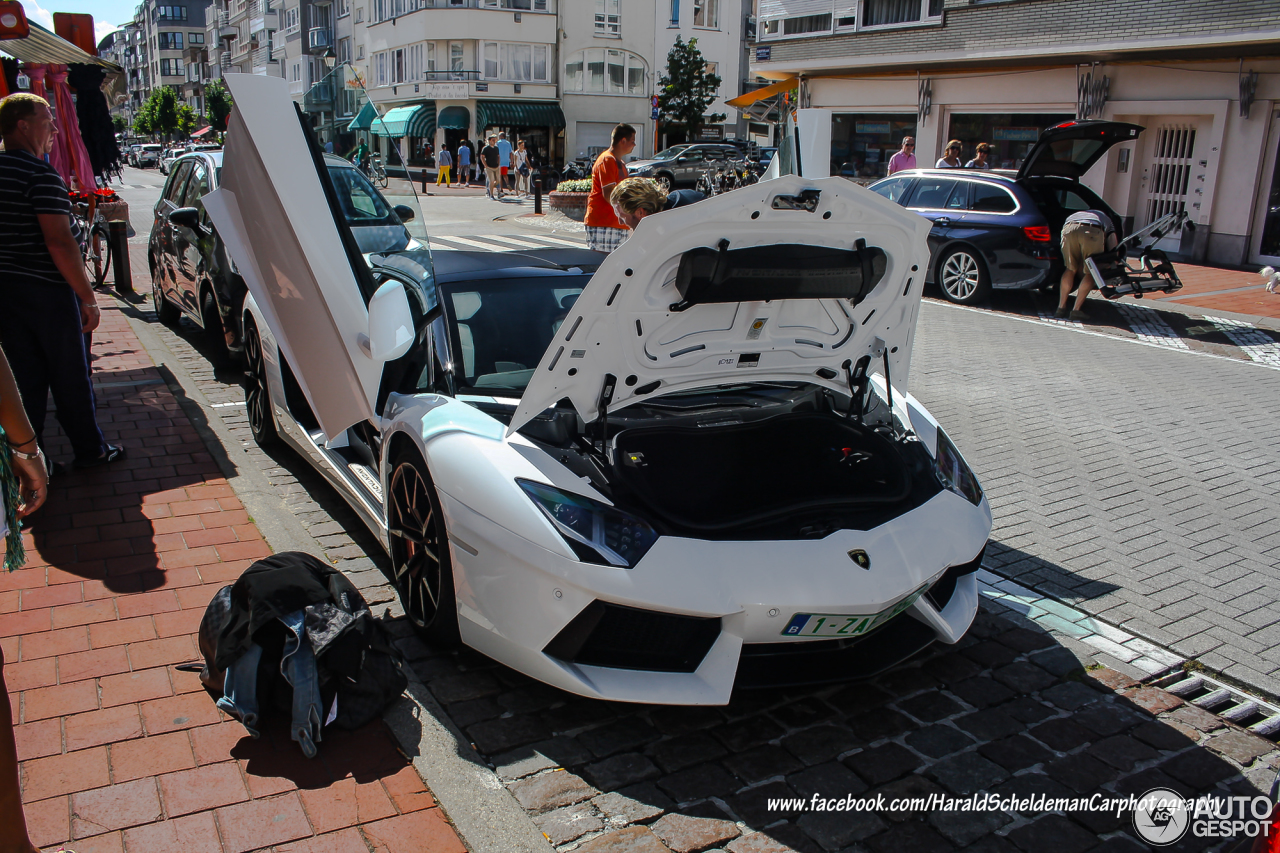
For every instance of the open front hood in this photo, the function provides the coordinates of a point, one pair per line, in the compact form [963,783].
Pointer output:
[1068,150]
[785,280]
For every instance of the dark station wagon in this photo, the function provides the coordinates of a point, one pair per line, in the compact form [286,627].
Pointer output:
[999,229]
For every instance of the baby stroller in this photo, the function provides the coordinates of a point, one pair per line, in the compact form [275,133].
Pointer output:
[1118,277]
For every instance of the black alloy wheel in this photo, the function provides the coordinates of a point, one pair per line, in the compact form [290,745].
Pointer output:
[166,311]
[214,333]
[257,397]
[423,571]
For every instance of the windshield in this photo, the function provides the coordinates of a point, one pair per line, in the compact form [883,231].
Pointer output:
[668,153]
[500,328]
[373,223]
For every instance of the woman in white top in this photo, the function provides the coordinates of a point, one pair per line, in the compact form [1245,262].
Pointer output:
[522,168]
[950,157]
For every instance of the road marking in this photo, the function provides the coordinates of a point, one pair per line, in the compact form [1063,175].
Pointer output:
[1149,326]
[463,241]
[1255,343]
[1047,317]
[1081,330]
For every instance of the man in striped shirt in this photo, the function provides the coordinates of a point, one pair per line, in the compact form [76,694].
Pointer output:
[48,301]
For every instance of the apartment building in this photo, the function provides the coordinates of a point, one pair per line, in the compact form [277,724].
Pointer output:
[442,70]
[164,30]
[1202,76]
[719,26]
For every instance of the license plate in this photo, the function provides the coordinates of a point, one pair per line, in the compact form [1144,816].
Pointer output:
[844,625]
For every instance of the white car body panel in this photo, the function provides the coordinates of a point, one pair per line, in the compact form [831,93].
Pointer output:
[518,583]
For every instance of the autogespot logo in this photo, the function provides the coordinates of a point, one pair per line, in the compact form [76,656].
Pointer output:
[1161,817]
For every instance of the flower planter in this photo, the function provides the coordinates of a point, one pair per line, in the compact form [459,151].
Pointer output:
[572,205]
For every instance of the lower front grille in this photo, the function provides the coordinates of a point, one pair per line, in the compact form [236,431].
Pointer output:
[940,593]
[622,637]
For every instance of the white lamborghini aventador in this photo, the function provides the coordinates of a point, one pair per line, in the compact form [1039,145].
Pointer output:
[652,476]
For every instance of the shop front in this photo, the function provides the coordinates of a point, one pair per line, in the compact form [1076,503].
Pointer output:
[1010,135]
[403,130]
[862,143]
[539,123]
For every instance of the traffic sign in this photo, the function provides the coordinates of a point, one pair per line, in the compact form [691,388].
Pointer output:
[654,116]
[654,101]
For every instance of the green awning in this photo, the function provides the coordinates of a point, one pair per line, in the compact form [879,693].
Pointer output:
[454,118]
[416,120]
[364,118]
[518,114]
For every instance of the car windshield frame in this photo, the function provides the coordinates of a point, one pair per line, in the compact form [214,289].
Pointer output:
[518,337]
[383,212]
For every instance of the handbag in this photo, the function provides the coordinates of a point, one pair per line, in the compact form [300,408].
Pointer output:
[11,492]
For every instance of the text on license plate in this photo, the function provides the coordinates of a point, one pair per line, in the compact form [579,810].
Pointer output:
[831,625]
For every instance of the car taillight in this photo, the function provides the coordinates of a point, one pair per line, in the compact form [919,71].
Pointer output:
[1038,233]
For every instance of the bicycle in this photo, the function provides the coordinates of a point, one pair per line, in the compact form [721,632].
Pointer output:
[377,171]
[95,245]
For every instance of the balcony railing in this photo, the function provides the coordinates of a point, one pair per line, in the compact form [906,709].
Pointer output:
[297,87]
[262,56]
[319,39]
[447,76]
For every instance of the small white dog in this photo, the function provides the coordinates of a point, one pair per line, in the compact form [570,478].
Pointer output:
[1273,279]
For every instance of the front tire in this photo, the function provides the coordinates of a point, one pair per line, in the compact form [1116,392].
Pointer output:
[963,277]
[422,569]
[665,182]
[257,395]
[166,311]
[214,333]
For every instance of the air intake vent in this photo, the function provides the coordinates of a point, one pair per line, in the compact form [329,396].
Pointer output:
[629,638]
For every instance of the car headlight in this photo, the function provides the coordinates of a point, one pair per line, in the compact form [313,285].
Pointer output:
[953,473]
[596,532]
[641,170]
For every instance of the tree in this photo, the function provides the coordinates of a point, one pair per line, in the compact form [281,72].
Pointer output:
[159,112]
[687,89]
[119,123]
[218,105]
[142,121]
[186,119]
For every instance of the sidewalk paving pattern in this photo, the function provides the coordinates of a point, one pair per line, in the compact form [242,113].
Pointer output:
[118,749]
[1010,709]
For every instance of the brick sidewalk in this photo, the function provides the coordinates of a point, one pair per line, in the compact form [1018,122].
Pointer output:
[1210,288]
[119,750]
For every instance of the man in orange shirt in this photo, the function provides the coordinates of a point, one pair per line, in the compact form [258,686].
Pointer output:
[604,231]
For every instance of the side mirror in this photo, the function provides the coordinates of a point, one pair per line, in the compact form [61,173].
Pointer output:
[390,324]
[405,212]
[186,217]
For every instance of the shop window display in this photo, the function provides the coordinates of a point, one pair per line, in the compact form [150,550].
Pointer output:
[1010,135]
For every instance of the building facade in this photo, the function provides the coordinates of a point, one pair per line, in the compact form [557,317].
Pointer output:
[165,30]
[1202,77]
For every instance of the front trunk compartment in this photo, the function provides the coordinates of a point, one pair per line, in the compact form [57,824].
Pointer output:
[719,477]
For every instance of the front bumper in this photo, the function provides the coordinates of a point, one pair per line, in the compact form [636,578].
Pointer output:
[517,601]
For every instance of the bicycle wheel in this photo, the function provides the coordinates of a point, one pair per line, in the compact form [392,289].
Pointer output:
[382,177]
[97,255]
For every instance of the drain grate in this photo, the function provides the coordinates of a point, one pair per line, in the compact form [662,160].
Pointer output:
[1258,716]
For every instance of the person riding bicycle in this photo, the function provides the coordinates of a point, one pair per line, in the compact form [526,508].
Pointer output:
[360,156]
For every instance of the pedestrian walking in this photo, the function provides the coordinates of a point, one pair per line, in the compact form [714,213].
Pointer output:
[951,157]
[905,158]
[635,198]
[605,232]
[493,174]
[522,168]
[443,163]
[980,156]
[1085,233]
[464,162]
[49,302]
[506,160]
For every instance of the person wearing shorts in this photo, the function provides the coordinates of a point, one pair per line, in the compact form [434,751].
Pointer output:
[1084,234]
[604,230]
[504,158]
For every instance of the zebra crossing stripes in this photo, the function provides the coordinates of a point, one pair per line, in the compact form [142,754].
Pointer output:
[1149,326]
[497,243]
[1253,342]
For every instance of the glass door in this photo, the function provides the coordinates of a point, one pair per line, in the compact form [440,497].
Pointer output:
[1267,226]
